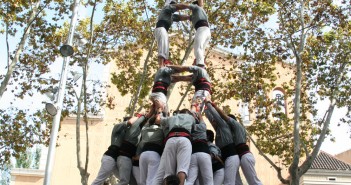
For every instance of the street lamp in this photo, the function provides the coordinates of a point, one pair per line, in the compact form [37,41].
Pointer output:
[51,109]
[66,51]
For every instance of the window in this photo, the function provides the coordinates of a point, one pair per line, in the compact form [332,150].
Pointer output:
[331,178]
[279,103]
[245,113]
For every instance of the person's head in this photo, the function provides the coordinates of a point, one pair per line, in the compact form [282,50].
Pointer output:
[173,2]
[195,2]
[210,135]
[126,118]
[185,111]
[171,180]
[232,116]
[175,112]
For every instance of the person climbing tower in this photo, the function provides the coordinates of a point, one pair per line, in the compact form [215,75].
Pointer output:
[199,20]
[164,22]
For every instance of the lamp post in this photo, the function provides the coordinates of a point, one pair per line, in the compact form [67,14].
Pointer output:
[66,51]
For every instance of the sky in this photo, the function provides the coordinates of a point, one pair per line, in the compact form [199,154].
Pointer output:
[341,133]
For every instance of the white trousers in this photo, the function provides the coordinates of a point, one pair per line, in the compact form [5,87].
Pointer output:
[160,174]
[161,36]
[202,37]
[148,163]
[124,166]
[218,177]
[136,174]
[231,167]
[108,166]
[177,154]
[175,158]
[200,167]
[247,164]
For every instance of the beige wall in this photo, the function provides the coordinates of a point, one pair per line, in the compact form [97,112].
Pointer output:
[65,168]
[344,156]
[26,176]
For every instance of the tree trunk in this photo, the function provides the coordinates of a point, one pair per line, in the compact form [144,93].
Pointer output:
[294,168]
[18,51]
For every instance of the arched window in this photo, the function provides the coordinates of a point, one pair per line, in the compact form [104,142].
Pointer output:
[245,113]
[279,108]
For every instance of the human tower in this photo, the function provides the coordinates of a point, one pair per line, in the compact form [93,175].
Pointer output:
[159,149]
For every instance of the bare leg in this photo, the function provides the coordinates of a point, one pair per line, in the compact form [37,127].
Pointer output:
[160,61]
[181,176]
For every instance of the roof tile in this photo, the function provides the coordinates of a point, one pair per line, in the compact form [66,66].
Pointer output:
[329,162]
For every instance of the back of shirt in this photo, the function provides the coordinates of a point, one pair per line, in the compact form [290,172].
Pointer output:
[185,121]
[151,134]
[199,73]
[164,75]
[132,133]
[118,133]
[166,14]
[198,14]
[239,132]
[199,131]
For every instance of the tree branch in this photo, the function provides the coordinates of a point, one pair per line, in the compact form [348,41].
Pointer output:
[303,35]
[305,149]
[137,93]
[7,39]
[35,13]
[291,43]
[278,169]
[186,92]
[307,163]
[219,33]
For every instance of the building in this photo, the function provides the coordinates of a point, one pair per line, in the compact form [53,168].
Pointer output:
[327,169]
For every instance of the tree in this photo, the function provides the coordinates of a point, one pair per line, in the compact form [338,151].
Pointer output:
[5,174]
[29,159]
[28,23]
[296,41]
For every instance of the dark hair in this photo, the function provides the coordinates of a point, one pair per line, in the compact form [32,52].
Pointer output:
[171,180]
[172,2]
[210,135]
[185,111]
[195,2]
[175,112]
[127,118]
[232,116]
[152,120]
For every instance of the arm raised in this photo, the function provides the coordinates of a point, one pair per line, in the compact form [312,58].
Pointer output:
[178,78]
[220,112]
